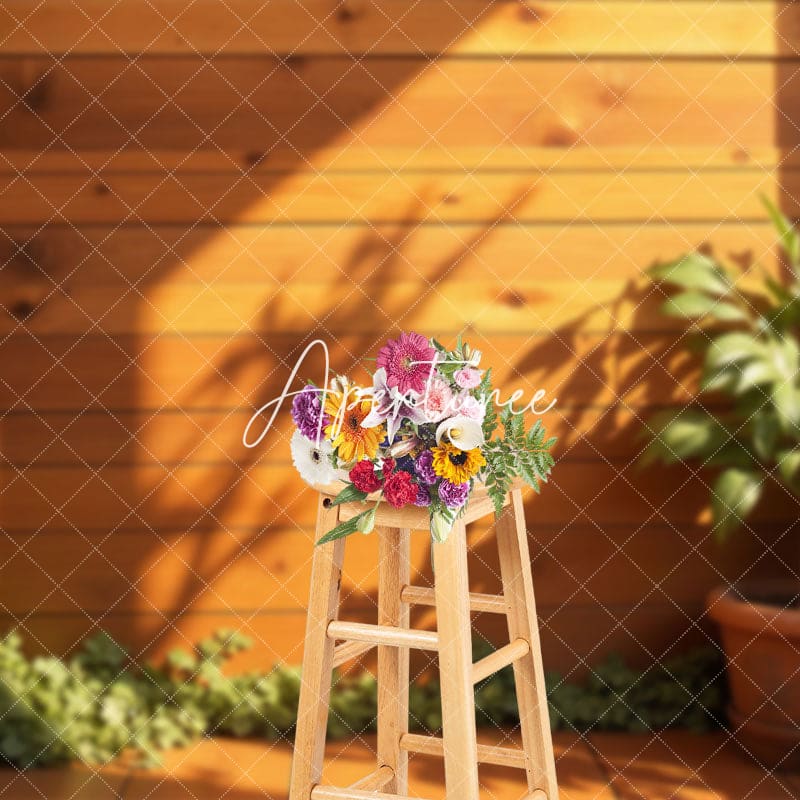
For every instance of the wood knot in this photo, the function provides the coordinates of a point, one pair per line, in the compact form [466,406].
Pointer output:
[613,95]
[529,13]
[293,61]
[254,158]
[22,309]
[741,156]
[744,259]
[512,298]
[346,14]
[36,97]
[24,255]
[706,248]
[560,136]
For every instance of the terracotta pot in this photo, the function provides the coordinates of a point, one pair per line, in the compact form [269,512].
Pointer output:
[761,640]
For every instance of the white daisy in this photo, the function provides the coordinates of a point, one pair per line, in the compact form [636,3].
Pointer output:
[313,463]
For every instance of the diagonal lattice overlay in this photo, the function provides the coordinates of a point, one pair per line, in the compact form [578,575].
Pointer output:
[284,205]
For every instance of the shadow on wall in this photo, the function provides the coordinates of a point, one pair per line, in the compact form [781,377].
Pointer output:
[171,248]
[146,184]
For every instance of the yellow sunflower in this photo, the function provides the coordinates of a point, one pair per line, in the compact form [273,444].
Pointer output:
[458,466]
[351,441]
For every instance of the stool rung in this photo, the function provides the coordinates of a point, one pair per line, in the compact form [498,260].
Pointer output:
[487,754]
[335,793]
[347,651]
[375,781]
[501,657]
[383,634]
[423,596]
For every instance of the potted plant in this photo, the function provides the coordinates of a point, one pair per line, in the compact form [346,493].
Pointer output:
[750,344]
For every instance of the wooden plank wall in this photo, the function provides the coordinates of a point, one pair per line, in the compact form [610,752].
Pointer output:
[191,192]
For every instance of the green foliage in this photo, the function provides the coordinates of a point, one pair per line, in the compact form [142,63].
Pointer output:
[790,241]
[98,704]
[517,454]
[684,692]
[441,520]
[490,418]
[364,522]
[348,495]
[90,707]
[750,342]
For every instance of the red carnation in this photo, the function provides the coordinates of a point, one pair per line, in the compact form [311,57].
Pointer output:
[364,478]
[399,489]
[387,466]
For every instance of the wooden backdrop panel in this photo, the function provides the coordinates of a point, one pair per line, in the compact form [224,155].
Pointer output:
[474,27]
[188,196]
[246,106]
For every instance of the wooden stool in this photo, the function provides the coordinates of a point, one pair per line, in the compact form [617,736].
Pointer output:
[452,641]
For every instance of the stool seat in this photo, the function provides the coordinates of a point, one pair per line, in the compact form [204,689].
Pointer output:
[331,642]
[413,517]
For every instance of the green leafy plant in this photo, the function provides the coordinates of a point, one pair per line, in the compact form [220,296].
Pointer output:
[751,359]
[517,454]
[97,704]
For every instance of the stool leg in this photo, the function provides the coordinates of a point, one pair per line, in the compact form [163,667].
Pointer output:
[315,687]
[512,541]
[455,665]
[393,575]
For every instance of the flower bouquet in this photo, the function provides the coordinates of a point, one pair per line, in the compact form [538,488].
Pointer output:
[423,434]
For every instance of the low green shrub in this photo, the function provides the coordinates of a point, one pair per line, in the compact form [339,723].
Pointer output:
[98,703]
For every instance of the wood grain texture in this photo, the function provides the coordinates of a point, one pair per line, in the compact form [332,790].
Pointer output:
[487,754]
[394,572]
[544,27]
[502,657]
[425,596]
[488,198]
[575,365]
[375,781]
[214,571]
[198,497]
[283,157]
[315,686]
[161,257]
[244,107]
[573,637]
[455,665]
[172,437]
[322,792]
[529,677]
[521,304]
[349,651]
[346,630]
[178,224]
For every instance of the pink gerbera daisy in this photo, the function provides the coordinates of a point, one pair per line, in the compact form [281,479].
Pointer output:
[404,360]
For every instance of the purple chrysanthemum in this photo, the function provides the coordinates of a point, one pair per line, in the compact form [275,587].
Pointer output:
[423,466]
[423,496]
[453,495]
[408,361]
[306,412]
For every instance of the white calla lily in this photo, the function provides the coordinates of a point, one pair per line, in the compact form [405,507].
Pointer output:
[463,432]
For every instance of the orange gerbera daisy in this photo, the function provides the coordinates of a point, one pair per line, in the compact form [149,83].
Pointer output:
[351,441]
